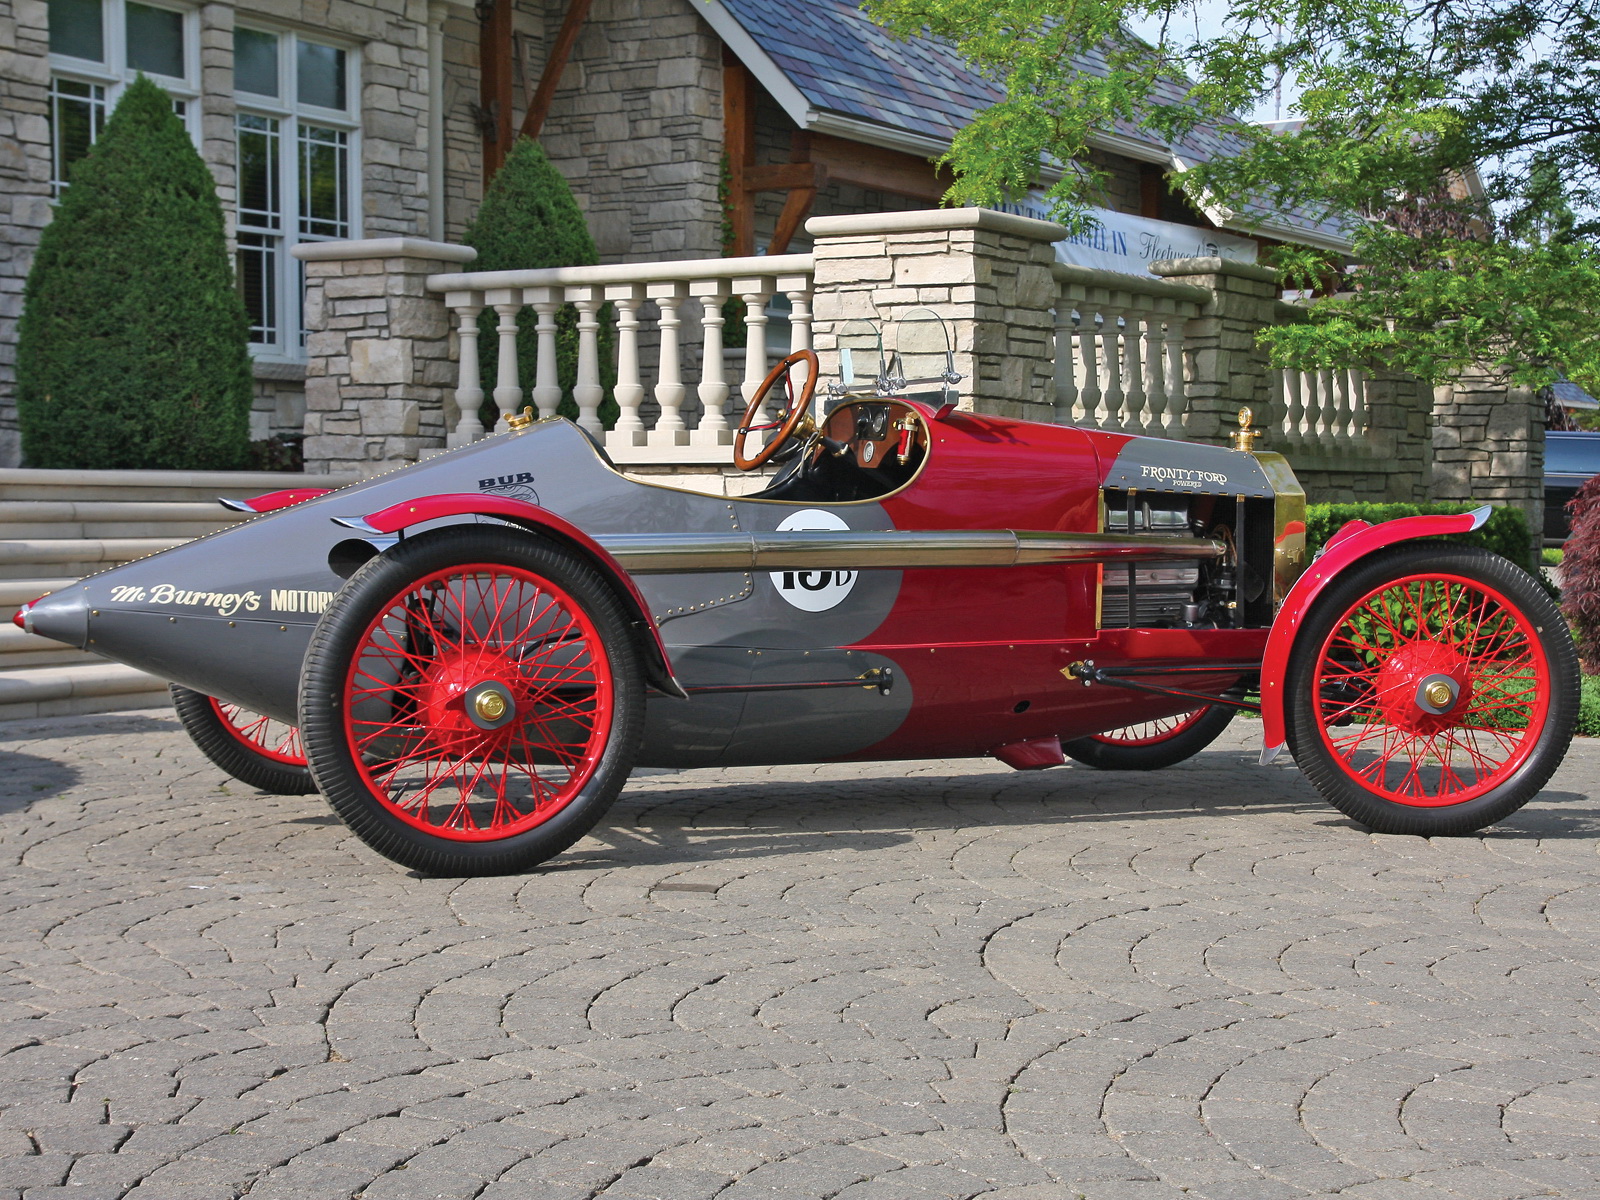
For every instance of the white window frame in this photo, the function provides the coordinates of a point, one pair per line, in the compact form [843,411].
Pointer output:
[286,109]
[115,75]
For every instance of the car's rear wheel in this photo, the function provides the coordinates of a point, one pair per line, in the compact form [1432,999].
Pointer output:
[1152,745]
[1432,690]
[253,748]
[472,701]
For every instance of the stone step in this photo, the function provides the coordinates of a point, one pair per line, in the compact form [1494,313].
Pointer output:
[14,593]
[26,483]
[114,530]
[20,649]
[116,510]
[57,526]
[26,519]
[97,686]
[24,551]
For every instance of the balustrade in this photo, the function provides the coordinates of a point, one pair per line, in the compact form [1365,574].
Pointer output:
[1119,354]
[674,294]
[1322,413]
[1119,351]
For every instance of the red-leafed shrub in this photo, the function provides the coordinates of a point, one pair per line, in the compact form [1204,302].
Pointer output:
[1580,574]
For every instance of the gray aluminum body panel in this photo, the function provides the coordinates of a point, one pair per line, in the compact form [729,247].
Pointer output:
[230,614]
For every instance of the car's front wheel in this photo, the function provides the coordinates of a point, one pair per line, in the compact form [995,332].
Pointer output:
[1432,690]
[472,701]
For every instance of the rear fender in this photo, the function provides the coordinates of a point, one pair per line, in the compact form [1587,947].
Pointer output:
[537,520]
[1353,542]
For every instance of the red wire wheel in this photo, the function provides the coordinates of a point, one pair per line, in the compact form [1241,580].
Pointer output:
[1152,745]
[472,701]
[1432,690]
[255,749]
[270,738]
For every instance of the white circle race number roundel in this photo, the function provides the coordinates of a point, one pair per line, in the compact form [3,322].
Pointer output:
[813,591]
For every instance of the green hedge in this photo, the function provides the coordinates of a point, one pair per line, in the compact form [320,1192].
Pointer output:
[132,346]
[1506,532]
[529,219]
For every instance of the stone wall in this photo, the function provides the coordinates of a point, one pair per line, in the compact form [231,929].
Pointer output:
[378,373]
[1488,443]
[392,36]
[986,273]
[636,128]
[24,183]
[1398,462]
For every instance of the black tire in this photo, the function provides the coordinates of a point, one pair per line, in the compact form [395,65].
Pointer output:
[1516,718]
[411,733]
[1108,754]
[227,747]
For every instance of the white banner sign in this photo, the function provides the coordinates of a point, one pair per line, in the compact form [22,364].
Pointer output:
[1127,243]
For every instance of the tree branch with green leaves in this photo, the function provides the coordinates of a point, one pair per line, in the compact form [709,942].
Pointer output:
[1399,103]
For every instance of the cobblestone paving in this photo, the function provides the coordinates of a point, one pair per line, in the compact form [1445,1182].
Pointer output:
[881,982]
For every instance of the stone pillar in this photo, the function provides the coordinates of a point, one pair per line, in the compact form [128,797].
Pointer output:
[378,367]
[1400,428]
[24,183]
[986,273]
[1488,443]
[1222,364]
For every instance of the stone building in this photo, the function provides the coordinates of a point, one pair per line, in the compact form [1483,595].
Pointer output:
[339,119]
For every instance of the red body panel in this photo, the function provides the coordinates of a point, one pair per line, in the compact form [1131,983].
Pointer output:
[273,501]
[1353,541]
[978,645]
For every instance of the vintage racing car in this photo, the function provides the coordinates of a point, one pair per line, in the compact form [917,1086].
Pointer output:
[476,650]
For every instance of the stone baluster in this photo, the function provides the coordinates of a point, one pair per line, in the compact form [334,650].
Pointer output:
[798,289]
[1327,406]
[1155,374]
[507,302]
[713,391]
[469,384]
[546,372]
[1358,409]
[1066,362]
[670,429]
[1177,385]
[587,391]
[1294,406]
[629,430]
[1088,410]
[754,292]
[1111,365]
[1134,395]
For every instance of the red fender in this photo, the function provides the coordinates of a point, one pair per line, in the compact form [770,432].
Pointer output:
[273,501]
[464,504]
[1353,541]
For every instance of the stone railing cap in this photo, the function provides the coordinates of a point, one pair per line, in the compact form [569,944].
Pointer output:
[400,247]
[1169,267]
[933,219]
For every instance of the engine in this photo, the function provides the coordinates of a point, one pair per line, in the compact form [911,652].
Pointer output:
[1249,502]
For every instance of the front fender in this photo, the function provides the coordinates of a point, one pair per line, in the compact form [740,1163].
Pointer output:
[540,520]
[1354,541]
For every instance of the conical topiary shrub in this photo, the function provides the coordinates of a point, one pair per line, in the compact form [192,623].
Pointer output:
[132,346]
[529,219]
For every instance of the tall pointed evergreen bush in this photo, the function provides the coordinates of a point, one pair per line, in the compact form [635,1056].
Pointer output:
[529,219]
[132,345]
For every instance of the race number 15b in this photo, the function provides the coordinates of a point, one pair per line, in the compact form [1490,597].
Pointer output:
[812,591]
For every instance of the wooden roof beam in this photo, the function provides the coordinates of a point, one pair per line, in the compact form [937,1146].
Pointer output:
[554,67]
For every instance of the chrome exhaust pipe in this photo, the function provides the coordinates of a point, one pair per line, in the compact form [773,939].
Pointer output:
[892,549]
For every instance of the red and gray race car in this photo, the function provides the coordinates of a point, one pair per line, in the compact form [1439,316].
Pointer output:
[468,656]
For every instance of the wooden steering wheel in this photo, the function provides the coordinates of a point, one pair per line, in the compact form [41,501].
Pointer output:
[788,421]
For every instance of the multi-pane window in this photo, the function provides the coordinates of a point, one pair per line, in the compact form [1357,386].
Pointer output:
[296,128]
[97,47]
